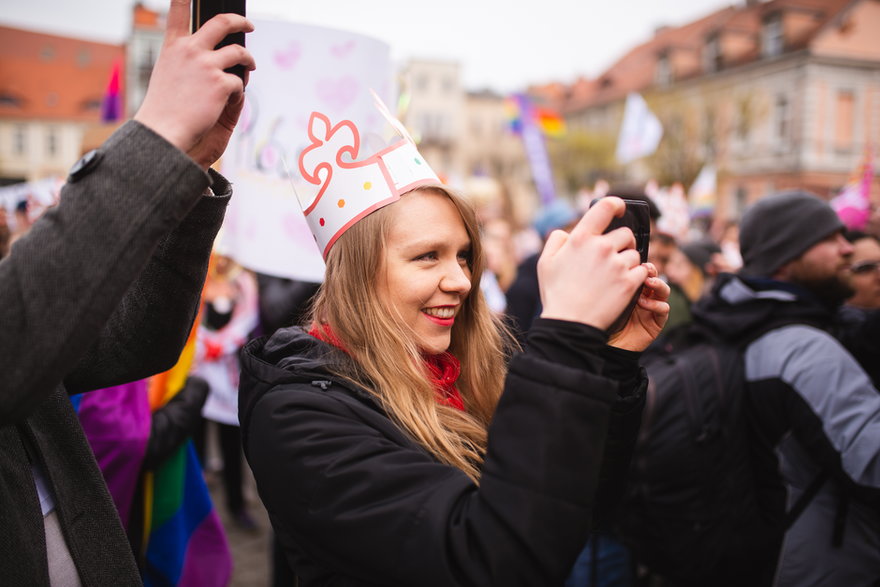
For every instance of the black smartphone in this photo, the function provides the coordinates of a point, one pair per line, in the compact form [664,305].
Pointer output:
[204,10]
[637,218]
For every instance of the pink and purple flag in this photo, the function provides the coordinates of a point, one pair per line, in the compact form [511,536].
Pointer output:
[111,106]
[853,203]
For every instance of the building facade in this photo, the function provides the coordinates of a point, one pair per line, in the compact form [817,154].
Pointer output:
[777,94]
[51,92]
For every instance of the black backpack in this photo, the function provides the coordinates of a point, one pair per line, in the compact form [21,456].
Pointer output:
[690,513]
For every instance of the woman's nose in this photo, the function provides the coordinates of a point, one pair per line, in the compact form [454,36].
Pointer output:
[457,279]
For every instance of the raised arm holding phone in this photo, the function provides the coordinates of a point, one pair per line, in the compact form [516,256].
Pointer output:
[103,290]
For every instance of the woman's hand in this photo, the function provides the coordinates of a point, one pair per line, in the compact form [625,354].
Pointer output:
[648,317]
[589,277]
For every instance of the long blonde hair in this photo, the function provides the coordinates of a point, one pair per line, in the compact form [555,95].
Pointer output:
[389,365]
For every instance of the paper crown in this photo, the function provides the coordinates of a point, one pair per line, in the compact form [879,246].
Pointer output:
[348,190]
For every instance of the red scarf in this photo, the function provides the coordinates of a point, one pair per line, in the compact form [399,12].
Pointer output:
[444,368]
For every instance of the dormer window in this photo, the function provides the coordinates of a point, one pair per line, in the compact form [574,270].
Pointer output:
[663,73]
[8,99]
[712,54]
[772,41]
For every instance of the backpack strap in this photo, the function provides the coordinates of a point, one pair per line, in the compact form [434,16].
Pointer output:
[804,500]
[840,519]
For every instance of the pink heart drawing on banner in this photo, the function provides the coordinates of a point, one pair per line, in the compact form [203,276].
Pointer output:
[343,49]
[287,58]
[337,93]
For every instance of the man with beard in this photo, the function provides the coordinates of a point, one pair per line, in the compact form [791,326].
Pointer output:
[814,412]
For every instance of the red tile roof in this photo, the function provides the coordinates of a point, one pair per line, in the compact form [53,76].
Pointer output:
[54,78]
[739,29]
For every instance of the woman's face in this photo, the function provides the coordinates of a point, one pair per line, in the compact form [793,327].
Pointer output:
[425,276]
[865,270]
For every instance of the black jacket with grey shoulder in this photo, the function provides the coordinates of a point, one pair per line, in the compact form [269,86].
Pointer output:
[102,290]
[813,409]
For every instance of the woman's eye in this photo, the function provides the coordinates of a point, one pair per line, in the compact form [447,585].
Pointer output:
[464,256]
[426,256]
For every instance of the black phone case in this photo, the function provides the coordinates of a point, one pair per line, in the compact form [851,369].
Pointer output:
[638,219]
[205,10]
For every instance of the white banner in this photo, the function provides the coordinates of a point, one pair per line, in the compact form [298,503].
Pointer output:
[640,132]
[300,69]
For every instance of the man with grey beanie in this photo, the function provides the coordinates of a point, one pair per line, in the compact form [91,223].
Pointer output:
[815,413]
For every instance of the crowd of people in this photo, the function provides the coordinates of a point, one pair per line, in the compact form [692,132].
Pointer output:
[435,412]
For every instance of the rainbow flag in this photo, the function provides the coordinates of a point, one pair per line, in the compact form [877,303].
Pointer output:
[180,538]
[184,542]
[546,119]
[116,421]
[527,124]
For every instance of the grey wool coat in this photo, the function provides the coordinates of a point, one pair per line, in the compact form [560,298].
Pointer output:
[102,290]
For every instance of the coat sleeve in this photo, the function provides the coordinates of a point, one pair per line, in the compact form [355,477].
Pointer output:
[67,285]
[340,486]
[802,381]
[176,421]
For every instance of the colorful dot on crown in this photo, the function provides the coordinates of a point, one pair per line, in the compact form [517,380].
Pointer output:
[341,203]
[368,185]
[417,160]
[321,221]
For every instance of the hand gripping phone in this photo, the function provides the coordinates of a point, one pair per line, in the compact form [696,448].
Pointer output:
[204,10]
[637,218]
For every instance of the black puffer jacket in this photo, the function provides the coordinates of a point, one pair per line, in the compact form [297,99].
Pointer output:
[354,501]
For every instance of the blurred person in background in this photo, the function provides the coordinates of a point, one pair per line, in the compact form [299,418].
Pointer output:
[230,313]
[865,271]
[693,267]
[814,412]
[859,317]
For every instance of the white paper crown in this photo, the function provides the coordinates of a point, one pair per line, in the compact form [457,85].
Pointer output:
[350,189]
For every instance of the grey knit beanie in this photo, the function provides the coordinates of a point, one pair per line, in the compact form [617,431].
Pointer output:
[780,228]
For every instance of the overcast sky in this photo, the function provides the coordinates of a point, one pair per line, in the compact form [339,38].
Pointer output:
[503,45]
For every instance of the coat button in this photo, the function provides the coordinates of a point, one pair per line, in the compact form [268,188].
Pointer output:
[85,165]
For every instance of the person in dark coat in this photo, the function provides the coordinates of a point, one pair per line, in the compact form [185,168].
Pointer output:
[392,442]
[814,413]
[103,290]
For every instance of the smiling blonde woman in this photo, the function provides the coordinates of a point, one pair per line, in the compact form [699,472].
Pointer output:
[397,439]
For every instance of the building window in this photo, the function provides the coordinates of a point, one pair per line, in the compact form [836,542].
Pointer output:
[19,140]
[782,121]
[422,83]
[663,73]
[83,58]
[47,53]
[145,65]
[52,141]
[844,120]
[9,100]
[772,41]
[712,54]
[743,119]
[448,85]
[476,127]
[740,197]
[709,138]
